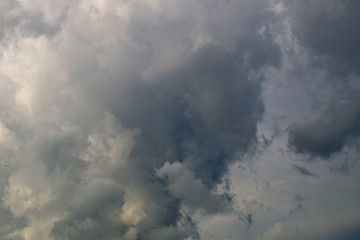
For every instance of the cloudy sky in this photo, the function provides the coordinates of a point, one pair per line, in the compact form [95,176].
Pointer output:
[171,120]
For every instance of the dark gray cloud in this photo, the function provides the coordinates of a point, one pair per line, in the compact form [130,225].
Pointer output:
[201,114]
[303,171]
[336,127]
[327,30]
[248,219]
[121,119]
[351,233]
[132,114]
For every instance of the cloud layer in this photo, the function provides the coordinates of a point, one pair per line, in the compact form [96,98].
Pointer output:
[123,119]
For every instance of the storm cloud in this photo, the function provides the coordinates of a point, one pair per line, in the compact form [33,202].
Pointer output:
[124,119]
[328,32]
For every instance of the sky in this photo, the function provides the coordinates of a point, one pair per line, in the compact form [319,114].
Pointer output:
[181,120]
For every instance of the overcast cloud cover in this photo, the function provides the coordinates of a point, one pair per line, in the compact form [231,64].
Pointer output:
[166,119]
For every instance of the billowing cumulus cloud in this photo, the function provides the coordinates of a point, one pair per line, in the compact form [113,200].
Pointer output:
[118,107]
[124,119]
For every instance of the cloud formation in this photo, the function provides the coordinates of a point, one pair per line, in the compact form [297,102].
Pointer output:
[122,119]
[328,33]
[118,107]
[303,171]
